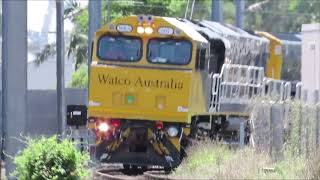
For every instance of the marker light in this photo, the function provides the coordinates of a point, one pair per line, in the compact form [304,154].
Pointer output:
[148,30]
[103,127]
[124,28]
[165,31]
[159,125]
[140,30]
[115,123]
[172,131]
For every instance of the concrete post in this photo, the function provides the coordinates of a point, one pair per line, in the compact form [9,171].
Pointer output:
[304,96]
[94,25]
[240,13]
[315,96]
[61,108]
[216,11]
[14,75]
[277,131]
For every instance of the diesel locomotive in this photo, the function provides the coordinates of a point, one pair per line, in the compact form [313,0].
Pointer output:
[155,82]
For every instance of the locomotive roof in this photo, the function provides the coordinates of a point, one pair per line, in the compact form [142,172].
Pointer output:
[215,30]
[287,36]
[186,28]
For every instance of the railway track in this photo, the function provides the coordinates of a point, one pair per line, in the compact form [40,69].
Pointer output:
[118,173]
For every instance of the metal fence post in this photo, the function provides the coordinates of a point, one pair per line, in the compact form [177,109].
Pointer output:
[60,67]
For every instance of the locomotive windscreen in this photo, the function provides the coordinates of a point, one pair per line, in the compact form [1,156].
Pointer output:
[119,48]
[169,51]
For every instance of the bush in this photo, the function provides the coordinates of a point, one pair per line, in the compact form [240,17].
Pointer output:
[46,158]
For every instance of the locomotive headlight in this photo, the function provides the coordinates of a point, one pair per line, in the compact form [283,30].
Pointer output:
[148,30]
[140,30]
[103,127]
[172,131]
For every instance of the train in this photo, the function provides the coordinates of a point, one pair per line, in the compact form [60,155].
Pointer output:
[157,82]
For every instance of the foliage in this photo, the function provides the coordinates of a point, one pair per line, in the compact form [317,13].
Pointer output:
[207,160]
[281,16]
[46,158]
[80,78]
[265,15]
[48,51]
[78,48]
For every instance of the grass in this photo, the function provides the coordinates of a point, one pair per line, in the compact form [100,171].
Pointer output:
[299,157]
[207,160]
[203,155]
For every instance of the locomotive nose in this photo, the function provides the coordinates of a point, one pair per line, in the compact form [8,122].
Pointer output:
[142,93]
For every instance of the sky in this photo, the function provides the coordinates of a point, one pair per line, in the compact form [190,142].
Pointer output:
[37,9]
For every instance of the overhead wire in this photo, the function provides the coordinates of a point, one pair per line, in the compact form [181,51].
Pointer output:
[192,9]
[187,8]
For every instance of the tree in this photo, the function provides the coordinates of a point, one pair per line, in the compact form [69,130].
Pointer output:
[80,77]
[266,15]
[78,42]
[281,16]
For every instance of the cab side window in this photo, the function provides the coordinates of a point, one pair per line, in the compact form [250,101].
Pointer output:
[201,59]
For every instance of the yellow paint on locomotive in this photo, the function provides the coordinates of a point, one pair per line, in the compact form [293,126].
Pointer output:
[140,90]
[274,64]
[198,99]
[160,92]
[139,93]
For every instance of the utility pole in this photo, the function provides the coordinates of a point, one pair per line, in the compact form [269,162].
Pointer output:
[60,68]
[94,25]
[216,11]
[108,10]
[14,77]
[240,13]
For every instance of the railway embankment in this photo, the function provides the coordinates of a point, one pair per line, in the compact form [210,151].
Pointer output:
[213,161]
[284,144]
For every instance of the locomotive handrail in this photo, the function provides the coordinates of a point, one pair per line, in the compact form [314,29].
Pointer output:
[277,90]
[239,83]
[216,78]
[236,84]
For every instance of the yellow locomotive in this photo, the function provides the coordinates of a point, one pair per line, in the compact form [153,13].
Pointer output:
[152,86]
